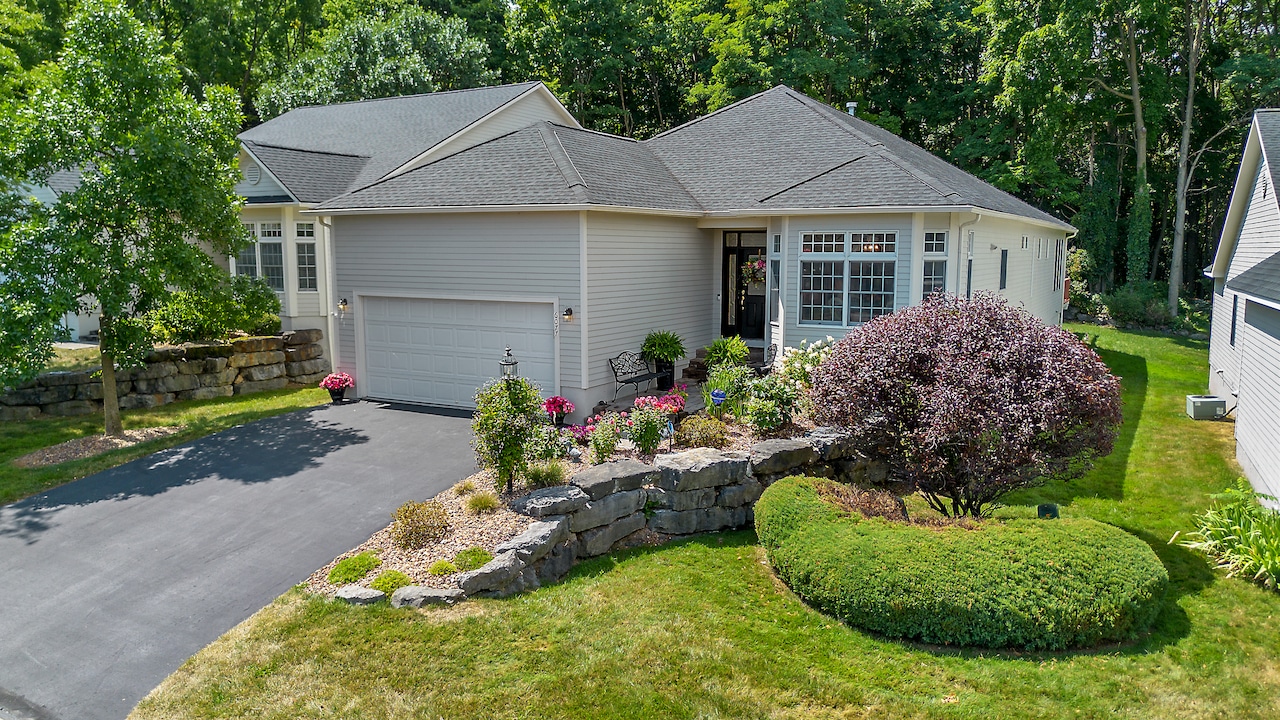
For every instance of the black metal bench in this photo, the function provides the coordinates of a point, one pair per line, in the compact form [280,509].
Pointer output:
[765,366]
[630,369]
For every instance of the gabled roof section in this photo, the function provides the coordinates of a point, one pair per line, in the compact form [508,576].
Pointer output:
[1260,281]
[1262,141]
[541,165]
[386,132]
[311,176]
[782,150]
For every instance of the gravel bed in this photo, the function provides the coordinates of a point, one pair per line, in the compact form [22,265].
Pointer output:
[85,447]
[466,530]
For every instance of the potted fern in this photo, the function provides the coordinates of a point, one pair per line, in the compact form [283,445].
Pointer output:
[663,348]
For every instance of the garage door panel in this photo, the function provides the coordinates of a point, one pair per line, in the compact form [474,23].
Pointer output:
[439,351]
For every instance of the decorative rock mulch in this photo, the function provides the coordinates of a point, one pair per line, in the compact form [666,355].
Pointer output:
[467,530]
[86,447]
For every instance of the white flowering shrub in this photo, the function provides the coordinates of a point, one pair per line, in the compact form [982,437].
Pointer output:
[796,367]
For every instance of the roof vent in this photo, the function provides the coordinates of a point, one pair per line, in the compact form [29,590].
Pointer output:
[252,173]
[852,107]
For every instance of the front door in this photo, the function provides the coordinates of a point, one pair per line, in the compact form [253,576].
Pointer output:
[743,291]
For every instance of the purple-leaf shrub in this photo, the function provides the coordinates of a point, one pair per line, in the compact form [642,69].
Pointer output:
[966,400]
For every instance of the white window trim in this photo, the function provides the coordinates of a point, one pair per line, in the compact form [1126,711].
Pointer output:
[845,257]
[946,244]
[315,264]
[255,229]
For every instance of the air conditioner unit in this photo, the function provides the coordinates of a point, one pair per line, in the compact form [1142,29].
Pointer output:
[1206,407]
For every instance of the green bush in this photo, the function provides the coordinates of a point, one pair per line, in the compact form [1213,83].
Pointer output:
[662,346]
[548,442]
[508,415]
[1033,584]
[544,474]
[472,558]
[774,401]
[442,567]
[765,415]
[1141,302]
[418,524]
[645,426]
[730,350]
[604,438]
[1242,535]
[353,569]
[702,431]
[243,303]
[389,581]
[735,381]
[483,503]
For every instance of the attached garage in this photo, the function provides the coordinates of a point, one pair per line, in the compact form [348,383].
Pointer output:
[437,351]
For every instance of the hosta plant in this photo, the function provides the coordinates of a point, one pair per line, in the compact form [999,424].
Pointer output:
[1242,535]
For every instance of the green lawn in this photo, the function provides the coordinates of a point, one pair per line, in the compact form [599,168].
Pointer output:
[200,417]
[701,629]
[74,359]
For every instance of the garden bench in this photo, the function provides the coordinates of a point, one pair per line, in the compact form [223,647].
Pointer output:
[630,369]
[765,366]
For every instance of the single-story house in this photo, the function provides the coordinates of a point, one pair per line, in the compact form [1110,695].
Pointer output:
[1244,340]
[427,233]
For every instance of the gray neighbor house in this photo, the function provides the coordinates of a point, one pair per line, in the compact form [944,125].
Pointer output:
[1244,342]
[427,233]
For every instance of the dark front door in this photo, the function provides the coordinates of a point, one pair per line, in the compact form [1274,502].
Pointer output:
[743,296]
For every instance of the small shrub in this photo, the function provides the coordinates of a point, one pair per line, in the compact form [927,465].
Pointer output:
[662,346]
[353,569]
[418,524]
[1020,583]
[774,402]
[466,487]
[442,567]
[603,438]
[1242,535]
[730,350]
[702,431]
[546,473]
[764,415]
[797,365]
[1142,302]
[472,558]
[967,400]
[735,381]
[483,503]
[389,581]
[508,413]
[548,442]
[645,426]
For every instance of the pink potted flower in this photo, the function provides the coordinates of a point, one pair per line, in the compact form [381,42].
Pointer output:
[337,383]
[557,407]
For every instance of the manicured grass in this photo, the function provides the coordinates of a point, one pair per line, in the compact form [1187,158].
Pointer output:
[77,359]
[200,418]
[702,629]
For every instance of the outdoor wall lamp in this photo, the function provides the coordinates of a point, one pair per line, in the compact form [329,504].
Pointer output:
[567,315]
[508,365]
[342,305]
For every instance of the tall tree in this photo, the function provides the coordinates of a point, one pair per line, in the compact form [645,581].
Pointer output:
[157,190]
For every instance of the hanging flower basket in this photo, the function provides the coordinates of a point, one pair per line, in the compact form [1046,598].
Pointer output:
[753,271]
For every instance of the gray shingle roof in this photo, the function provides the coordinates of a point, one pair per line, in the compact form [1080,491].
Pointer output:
[388,132]
[1269,133]
[1261,280]
[310,176]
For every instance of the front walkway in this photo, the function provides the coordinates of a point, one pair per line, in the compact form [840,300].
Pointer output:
[111,582]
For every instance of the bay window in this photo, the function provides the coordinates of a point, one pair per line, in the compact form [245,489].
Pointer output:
[847,278]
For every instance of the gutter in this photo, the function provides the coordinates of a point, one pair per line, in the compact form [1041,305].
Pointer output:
[968,280]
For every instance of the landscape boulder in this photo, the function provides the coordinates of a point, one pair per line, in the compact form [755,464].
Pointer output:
[700,468]
[418,596]
[536,541]
[615,476]
[358,595]
[773,457]
[558,500]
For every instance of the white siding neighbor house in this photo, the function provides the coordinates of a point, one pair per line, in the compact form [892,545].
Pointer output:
[1244,340]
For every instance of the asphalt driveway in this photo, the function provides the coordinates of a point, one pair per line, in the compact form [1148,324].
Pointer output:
[109,583]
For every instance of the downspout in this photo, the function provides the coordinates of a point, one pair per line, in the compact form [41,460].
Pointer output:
[968,281]
[330,313]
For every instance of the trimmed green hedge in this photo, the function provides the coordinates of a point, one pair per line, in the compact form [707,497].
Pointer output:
[1034,584]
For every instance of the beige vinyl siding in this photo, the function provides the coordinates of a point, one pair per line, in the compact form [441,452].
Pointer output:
[1258,414]
[1259,239]
[1030,273]
[644,273]
[481,255]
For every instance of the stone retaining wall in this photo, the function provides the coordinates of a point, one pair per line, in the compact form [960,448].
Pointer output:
[181,372]
[685,493]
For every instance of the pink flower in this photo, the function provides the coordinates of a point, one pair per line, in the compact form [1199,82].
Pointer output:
[630,423]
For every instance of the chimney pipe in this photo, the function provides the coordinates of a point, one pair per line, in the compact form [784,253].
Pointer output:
[852,107]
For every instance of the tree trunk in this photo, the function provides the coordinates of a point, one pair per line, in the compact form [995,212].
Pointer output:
[1140,216]
[110,402]
[1196,37]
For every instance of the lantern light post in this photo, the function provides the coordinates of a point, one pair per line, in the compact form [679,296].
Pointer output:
[509,366]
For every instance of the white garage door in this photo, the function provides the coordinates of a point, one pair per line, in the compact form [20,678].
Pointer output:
[437,352]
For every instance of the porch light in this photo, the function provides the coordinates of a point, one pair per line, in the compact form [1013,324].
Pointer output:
[567,315]
[342,305]
[508,365]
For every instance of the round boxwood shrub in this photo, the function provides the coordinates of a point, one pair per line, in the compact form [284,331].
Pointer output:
[389,581]
[1022,583]
[353,569]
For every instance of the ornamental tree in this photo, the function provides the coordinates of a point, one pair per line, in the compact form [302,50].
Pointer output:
[967,400]
[155,201]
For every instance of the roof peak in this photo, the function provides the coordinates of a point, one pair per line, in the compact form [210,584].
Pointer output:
[434,93]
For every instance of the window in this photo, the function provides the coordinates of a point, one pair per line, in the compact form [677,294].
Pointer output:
[1235,299]
[1026,242]
[935,242]
[306,230]
[822,292]
[822,243]
[306,266]
[247,260]
[271,230]
[873,242]
[1059,262]
[870,289]
[1004,269]
[935,277]
[271,259]
[775,289]
[777,244]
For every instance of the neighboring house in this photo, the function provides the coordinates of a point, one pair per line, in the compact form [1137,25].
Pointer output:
[427,233]
[1244,342]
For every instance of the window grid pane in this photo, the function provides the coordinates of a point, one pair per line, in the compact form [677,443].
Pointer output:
[935,242]
[307,266]
[873,242]
[822,242]
[935,276]
[871,290]
[822,292]
[306,230]
[270,230]
[273,264]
